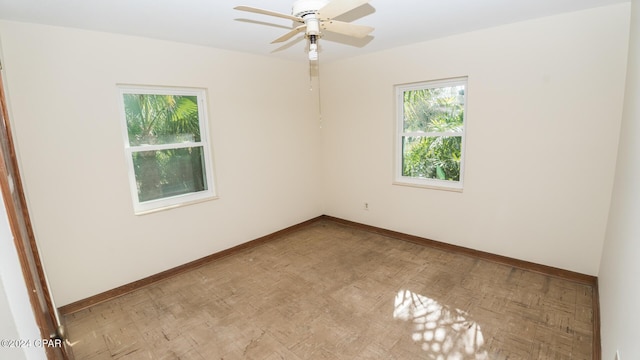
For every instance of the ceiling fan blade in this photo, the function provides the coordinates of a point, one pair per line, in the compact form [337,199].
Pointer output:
[264,23]
[341,27]
[268,12]
[339,7]
[290,34]
[288,45]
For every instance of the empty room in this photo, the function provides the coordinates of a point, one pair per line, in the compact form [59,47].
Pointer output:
[320,179]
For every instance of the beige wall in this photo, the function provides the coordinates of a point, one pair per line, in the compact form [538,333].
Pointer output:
[620,268]
[544,107]
[64,105]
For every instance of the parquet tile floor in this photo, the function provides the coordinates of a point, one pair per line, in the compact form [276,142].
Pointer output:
[329,291]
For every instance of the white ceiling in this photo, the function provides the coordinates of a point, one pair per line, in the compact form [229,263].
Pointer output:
[214,22]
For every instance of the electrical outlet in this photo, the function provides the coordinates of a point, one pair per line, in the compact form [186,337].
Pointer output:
[365,206]
[618,355]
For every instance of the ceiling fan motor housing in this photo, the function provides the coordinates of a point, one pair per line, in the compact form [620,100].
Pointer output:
[302,8]
[307,10]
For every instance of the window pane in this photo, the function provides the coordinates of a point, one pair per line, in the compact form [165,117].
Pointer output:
[434,109]
[164,173]
[431,157]
[161,119]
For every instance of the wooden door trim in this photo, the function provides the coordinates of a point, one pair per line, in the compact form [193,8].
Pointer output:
[6,182]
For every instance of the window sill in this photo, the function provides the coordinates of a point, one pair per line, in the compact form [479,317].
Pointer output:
[450,188]
[173,206]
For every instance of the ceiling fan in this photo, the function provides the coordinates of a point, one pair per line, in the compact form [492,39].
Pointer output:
[315,17]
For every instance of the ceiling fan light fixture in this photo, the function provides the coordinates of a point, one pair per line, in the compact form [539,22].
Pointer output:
[313,48]
[313,53]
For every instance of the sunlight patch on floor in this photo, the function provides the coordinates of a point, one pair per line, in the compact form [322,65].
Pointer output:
[445,333]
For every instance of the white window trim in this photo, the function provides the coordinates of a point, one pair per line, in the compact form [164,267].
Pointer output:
[151,206]
[437,184]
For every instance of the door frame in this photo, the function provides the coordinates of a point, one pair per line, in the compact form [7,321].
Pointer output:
[44,310]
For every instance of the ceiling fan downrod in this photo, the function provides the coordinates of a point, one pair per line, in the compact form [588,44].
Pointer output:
[313,47]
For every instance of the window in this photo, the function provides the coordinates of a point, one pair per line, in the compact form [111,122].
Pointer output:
[166,145]
[430,134]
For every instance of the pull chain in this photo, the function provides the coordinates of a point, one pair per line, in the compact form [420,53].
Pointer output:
[319,97]
[317,88]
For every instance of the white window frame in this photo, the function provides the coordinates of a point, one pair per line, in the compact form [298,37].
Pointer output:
[398,178]
[145,207]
